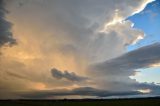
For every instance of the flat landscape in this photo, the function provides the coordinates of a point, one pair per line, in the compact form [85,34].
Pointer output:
[84,102]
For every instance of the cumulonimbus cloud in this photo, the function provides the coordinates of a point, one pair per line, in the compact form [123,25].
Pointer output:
[70,30]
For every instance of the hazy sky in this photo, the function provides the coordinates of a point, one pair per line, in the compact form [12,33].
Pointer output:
[53,49]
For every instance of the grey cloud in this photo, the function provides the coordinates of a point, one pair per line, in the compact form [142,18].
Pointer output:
[82,91]
[135,86]
[77,22]
[71,76]
[143,57]
[115,72]
[5,26]
[102,93]
[155,89]
[90,91]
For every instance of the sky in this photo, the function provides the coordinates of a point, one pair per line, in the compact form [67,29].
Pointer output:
[56,49]
[148,17]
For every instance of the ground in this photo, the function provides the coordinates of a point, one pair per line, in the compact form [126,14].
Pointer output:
[112,102]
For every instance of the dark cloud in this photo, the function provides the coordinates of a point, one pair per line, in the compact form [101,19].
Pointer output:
[143,57]
[101,93]
[135,86]
[71,76]
[74,26]
[90,91]
[115,72]
[5,26]
[155,89]
[82,91]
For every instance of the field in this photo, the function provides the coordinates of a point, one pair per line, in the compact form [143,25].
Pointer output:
[110,102]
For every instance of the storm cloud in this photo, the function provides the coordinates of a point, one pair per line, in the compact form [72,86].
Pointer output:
[6,36]
[116,72]
[71,76]
[143,57]
[72,35]
[82,91]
